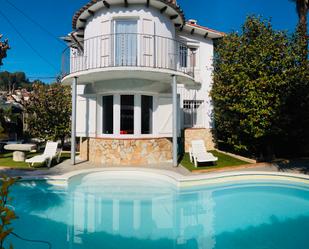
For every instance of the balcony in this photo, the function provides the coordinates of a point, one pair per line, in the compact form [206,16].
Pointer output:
[133,53]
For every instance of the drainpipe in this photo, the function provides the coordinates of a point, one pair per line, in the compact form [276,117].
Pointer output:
[73,121]
[175,142]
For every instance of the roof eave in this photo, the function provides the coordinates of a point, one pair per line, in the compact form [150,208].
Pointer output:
[90,8]
[203,31]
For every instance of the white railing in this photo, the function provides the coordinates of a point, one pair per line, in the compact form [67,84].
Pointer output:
[127,50]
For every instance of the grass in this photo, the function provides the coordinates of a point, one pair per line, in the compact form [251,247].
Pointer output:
[6,160]
[224,161]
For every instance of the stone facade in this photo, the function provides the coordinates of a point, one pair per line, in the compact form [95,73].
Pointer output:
[136,152]
[194,134]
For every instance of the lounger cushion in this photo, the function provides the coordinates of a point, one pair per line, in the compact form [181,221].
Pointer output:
[37,159]
[206,159]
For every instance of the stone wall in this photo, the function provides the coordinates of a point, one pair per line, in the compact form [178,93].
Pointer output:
[196,134]
[136,152]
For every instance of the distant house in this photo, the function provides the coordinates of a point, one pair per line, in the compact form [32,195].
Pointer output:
[142,75]
[14,123]
[11,122]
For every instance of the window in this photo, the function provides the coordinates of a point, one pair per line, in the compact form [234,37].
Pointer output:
[183,53]
[121,115]
[126,43]
[193,52]
[146,111]
[108,114]
[193,113]
[127,114]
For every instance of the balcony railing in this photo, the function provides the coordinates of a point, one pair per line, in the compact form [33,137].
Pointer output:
[128,50]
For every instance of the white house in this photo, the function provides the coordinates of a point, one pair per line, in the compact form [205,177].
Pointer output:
[141,76]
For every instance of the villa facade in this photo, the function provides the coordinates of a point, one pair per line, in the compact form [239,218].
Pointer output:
[141,77]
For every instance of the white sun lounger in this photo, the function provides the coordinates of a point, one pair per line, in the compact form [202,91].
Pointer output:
[51,151]
[199,154]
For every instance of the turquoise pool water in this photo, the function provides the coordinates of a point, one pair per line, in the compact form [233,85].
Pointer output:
[113,212]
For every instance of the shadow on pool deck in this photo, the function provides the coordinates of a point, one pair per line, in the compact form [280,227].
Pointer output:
[300,165]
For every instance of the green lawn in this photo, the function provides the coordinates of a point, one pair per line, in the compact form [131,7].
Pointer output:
[6,160]
[224,161]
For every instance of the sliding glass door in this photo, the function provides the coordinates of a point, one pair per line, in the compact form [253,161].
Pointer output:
[125,43]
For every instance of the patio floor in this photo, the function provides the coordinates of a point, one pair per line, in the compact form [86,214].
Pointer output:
[66,167]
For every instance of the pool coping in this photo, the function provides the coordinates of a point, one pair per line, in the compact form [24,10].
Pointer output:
[178,179]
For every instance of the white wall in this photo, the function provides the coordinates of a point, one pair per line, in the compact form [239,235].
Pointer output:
[101,23]
[203,74]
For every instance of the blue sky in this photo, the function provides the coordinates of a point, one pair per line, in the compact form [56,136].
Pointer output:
[56,16]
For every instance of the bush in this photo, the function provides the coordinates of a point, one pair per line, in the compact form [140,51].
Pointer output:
[7,214]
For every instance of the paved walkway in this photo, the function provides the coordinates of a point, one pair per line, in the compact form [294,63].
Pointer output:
[66,167]
[301,167]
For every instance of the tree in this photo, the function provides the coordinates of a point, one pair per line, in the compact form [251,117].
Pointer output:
[4,46]
[253,84]
[8,120]
[48,112]
[295,108]
[302,7]
[7,214]
[11,81]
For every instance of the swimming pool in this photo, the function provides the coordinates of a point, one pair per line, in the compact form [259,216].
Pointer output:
[117,211]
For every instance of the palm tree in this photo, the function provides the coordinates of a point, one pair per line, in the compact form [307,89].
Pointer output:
[302,7]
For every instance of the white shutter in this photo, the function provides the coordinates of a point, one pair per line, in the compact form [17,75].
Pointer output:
[86,116]
[147,45]
[106,44]
[179,116]
[81,116]
[92,113]
[200,114]
[165,117]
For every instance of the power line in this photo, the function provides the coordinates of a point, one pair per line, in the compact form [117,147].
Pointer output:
[33,241]
[26,41]
[42,77]
[35,22]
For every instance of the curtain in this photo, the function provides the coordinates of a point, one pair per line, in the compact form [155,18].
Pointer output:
[126,43]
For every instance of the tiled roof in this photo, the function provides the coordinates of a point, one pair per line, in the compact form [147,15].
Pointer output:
[171,3]
[205,28]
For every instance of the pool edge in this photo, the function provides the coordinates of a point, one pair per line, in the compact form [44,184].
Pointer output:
[178,179]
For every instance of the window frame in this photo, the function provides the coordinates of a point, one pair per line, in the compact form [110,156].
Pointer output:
[150,116]
[117,116]
[102,116]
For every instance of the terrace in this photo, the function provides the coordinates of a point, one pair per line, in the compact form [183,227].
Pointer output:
[142,55]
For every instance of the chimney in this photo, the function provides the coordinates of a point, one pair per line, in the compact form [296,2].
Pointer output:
[192,21]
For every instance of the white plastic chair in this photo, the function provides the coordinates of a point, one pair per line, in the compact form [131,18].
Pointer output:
[51,151]
[199,154]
